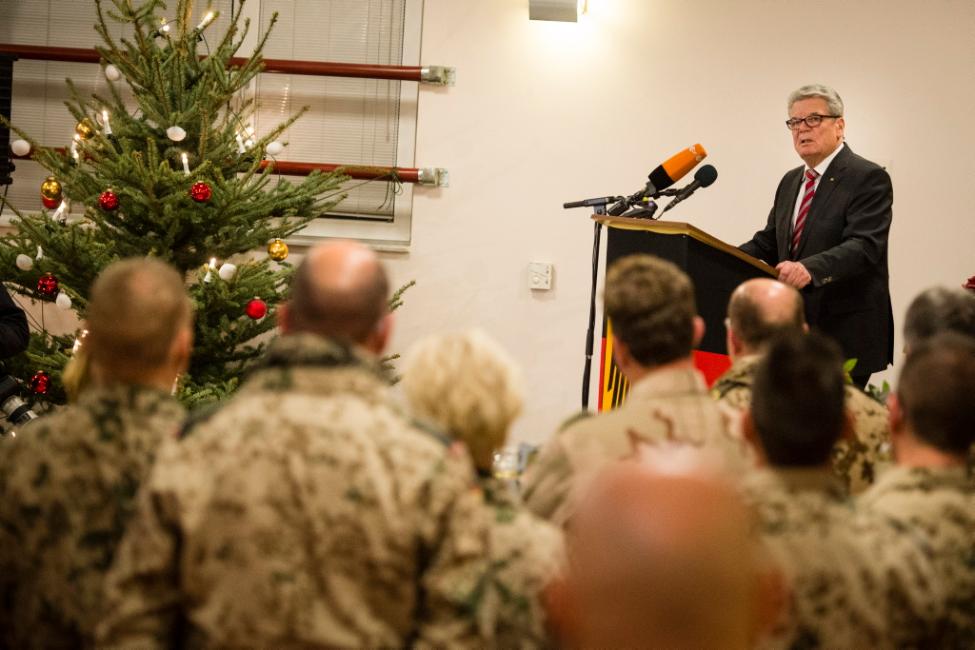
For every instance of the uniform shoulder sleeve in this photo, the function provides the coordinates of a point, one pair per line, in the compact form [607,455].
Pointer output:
[547,482]
[142,587]
[454,533]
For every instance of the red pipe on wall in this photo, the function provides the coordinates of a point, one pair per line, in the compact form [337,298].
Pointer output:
[284,66]
[286,168]
[360,172]
[363,172]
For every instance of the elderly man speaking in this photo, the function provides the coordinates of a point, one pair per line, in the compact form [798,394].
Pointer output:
[827,233]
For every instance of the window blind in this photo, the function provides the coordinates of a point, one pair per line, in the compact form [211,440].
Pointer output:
[353,121]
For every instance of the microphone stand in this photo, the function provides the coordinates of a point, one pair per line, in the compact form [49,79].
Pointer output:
[619,208]
[591,329]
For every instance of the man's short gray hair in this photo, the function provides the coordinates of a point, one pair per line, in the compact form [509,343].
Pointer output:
[833,101]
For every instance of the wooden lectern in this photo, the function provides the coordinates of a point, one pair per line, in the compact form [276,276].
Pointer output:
[714,267]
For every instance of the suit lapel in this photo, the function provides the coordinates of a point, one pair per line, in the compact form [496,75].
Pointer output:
[831,178]
[787,205]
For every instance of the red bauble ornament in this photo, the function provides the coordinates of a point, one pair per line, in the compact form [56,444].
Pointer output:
[47,285]
[108,200]
[256,309]
[50,203]
[40,383]
[201,192]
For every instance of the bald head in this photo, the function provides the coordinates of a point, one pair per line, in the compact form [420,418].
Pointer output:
[136,311]
[761,310]
[339,291]
[660,560]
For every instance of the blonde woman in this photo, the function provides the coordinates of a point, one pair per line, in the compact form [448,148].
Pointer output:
[466,385]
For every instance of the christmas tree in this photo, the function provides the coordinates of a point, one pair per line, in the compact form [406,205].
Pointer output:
[173,172]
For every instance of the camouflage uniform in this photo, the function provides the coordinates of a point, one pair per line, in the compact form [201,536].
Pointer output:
[855,581]
[67,488]
[856,461]
[666,407]
[937,507]
[525,553]
[306,511]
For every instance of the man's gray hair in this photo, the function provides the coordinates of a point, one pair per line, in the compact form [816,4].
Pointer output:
[833,101]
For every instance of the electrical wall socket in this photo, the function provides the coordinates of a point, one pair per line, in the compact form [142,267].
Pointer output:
[540,276]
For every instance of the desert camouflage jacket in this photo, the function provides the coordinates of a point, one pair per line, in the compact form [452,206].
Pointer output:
[936,507]
[67,488]
[306,511]
[668,407]
[857,461]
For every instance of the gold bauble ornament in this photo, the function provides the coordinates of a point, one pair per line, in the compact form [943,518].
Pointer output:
[51,188]
[85,129]
[277,250]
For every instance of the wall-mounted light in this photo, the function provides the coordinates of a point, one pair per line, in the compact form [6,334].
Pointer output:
[561,10]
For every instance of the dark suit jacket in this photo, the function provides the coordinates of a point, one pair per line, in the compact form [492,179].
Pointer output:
[844,248]
[14,334]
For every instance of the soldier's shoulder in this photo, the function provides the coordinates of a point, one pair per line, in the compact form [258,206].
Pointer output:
[569,422]
[859,402]
[430,431]
[198,417]
[425,443]
[739,375]
[49,435]
[734,395]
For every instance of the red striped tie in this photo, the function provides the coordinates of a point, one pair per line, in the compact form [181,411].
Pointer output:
[807,199]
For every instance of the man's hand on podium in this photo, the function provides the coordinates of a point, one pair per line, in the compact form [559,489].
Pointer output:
[793,274]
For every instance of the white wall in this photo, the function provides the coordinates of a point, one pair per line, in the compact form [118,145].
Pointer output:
[544,113]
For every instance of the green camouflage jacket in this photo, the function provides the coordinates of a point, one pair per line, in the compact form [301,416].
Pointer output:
[937,508]
[67,488]
[525,554]
[854,580]
[306,511]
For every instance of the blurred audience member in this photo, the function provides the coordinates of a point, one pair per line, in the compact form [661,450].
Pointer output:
[937,310]
[466,385]
[662,560]
[930,494]
[68,480]
[855,582]
[306,511]
[650,305]
[762,309]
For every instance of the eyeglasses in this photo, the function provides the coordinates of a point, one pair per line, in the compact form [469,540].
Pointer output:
[812,121]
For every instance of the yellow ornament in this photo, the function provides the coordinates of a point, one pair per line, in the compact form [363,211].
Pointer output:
[51,188]
[277,250]
[85,129]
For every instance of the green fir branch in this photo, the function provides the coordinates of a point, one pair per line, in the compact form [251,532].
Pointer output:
[172,85]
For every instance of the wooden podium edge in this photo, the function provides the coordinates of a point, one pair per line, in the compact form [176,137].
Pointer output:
[680,228]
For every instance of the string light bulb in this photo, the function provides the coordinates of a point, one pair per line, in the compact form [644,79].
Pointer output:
[207,19]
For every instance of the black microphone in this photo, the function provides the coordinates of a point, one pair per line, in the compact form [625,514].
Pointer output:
[589,203]
[703,177]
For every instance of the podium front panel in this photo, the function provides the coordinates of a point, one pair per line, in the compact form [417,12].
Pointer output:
[715,275]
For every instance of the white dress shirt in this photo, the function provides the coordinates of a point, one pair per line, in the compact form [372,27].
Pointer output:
[819,169]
